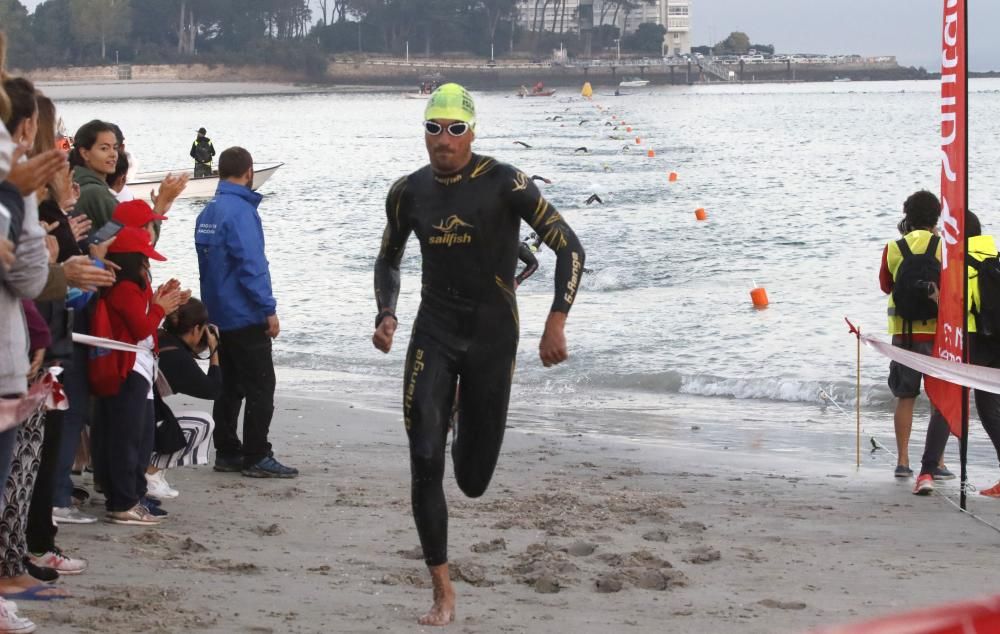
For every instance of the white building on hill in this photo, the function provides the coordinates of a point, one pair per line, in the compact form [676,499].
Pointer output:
[561,16]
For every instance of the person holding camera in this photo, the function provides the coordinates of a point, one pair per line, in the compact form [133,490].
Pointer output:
[185,438]
[909,275]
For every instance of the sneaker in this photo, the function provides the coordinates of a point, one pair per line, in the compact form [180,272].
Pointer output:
[942,473]
[71,515]
[924,485]
[153,508]
[268,467]
[11,623]
[902,471]
[228,464]
[135,516]
[80,495]
[58,561]
[45,574]
[157,487]
[992,492]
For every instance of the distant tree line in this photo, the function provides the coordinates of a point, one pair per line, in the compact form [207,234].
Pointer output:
[289,33]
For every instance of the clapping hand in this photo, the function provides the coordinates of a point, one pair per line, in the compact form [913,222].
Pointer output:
[6,253]
[80,226]
[170,188]
[168,296]
[31,175]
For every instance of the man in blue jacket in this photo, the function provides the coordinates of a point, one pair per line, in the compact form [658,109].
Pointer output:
[236,289]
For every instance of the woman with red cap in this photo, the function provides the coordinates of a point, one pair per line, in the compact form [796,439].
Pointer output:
[127,424]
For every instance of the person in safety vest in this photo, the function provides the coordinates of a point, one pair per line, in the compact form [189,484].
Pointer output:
[202,152]
[984,350]
[921,212]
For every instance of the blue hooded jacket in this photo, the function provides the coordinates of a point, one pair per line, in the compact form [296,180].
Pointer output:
[229,238]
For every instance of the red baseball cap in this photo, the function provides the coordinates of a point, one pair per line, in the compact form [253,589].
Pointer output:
[134,240]
[135,213]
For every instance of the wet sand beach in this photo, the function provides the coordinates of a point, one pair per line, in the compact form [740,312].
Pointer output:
[576,533]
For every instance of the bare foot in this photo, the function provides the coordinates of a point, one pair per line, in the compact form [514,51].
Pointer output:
[443,610]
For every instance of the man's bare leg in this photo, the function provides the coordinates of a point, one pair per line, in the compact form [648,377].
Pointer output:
[903,423]
[443,610]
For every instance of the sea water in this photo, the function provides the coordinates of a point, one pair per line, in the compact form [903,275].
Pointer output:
[803,185]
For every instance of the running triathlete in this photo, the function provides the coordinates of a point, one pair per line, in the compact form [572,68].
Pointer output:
[465,210]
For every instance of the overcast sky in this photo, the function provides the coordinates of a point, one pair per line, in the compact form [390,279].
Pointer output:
[908,29]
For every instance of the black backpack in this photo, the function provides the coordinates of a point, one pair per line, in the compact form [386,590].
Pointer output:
[916,278]
[987,312]
[202,151]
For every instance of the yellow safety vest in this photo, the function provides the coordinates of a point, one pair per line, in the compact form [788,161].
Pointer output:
[980,248]
[918,241]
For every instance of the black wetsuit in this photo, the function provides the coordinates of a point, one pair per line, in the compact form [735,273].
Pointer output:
[530,263]
[467,325]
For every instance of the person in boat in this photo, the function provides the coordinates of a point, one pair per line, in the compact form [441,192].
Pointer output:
[538,88]
[202,152]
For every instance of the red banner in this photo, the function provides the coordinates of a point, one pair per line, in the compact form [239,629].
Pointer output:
[949,341]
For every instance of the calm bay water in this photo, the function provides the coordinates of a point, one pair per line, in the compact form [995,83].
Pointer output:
[803,185]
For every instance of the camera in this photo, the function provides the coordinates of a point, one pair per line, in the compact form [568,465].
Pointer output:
[203,344]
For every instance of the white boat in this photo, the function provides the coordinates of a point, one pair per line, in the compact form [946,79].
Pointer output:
[633,82]
[203,187]
[417,95]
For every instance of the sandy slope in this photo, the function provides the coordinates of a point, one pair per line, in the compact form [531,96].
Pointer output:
[576,534]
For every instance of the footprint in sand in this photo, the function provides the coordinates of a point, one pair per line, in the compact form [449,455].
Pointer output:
[658,535]
[703,555]
[580,549]
[783,605]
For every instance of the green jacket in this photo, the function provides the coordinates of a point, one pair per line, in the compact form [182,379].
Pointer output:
[96,199]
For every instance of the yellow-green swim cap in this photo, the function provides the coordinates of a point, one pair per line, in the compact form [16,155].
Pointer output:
[451,101]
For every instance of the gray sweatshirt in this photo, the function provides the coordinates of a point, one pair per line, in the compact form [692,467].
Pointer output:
[25,279]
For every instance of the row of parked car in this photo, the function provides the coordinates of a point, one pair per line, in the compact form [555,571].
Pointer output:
[760,58]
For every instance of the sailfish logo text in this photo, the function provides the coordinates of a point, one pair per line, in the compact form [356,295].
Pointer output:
[449,229]
[949,127]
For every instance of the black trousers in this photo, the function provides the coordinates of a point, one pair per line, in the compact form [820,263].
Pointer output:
[480,354]
[983,351]
[202,170]
[127,428]
[247,374]
[41,532]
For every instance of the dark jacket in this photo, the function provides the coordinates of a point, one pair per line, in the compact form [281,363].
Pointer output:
[96,199]
[203,141]
[235,280]
[182,372]
[179,368]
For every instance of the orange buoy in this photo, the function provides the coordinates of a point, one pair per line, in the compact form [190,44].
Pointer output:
[628,129]
[700,214]
[673,177]
[759,297]
[638,140]
[651,153]
[613,117]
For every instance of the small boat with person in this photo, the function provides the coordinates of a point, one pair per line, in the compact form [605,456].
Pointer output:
[203,187]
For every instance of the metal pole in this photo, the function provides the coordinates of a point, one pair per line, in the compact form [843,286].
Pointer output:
[963,446]
[618,42]
[491,52]
[407,51]
[858,402]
